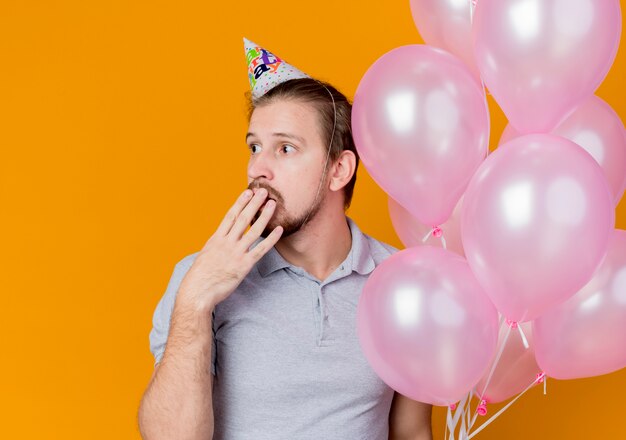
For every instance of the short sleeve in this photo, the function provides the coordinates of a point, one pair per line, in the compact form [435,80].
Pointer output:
[163,312]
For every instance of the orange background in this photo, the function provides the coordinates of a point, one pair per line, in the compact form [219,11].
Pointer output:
[122,133]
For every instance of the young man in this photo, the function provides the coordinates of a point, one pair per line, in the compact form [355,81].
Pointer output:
[255,336]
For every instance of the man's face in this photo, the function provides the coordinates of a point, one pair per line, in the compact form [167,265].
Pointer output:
[287,155]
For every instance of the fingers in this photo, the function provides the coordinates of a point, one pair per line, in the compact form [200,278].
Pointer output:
[247,214]
[259,226]
[233,212]
[263,247]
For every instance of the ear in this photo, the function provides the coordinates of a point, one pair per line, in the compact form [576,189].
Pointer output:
[342,170]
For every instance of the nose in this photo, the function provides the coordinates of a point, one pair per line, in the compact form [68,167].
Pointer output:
[260,166]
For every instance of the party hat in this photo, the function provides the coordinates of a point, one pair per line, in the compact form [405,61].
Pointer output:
[266,70]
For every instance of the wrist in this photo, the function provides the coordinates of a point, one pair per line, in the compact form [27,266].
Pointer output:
[193,303]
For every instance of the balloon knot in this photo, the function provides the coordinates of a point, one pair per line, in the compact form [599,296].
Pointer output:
[540,377]
[437,231]
[512,324]
[453,406]
[482,408]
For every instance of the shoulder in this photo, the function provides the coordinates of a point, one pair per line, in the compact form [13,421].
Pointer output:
[379,250]
[185,263]
[181,268]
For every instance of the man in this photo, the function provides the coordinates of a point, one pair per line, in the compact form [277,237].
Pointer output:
[255,337]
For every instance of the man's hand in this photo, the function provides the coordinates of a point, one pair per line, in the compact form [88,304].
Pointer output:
[225,259]
[178,403]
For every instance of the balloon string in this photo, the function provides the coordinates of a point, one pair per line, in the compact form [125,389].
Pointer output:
[524,340]
[482,404]
[516,325]
[436,231]
[496,415]
[468,413]
[466,418]
[493,366]
[462,430]
[454,420]
[330,147]
[464,410]
[541,377]
[448,424]
[427,236]
[459,412]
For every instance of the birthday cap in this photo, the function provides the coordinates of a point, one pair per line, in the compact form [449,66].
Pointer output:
[266,70]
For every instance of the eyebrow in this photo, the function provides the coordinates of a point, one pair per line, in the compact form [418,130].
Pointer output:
[295,137]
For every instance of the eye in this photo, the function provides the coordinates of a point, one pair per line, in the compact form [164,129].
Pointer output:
[286,148]
[254,148]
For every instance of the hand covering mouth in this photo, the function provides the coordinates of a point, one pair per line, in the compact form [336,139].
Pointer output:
[272,194]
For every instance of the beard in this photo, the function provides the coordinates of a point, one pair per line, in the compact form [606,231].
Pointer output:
[290,224]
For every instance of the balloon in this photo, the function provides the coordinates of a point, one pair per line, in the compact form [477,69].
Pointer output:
[586,336]
[425,325]
[536,221]
[447,24]
[541,58]
[421,127]
[596,127]
[516,369]
[412,232]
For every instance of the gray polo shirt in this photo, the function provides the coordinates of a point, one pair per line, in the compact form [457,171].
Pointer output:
[286,355]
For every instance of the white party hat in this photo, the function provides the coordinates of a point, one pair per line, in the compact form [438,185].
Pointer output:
[266,70]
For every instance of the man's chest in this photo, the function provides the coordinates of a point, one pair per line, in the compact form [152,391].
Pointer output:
[281,342]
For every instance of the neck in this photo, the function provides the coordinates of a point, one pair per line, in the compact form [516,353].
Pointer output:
[321,245]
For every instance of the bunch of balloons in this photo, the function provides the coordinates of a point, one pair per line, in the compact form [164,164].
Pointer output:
[531,244]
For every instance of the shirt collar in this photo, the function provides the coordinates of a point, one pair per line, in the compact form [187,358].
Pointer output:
[271,262]
[359,258]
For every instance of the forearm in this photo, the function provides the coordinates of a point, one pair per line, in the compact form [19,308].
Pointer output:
[409,419]
[178,403]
